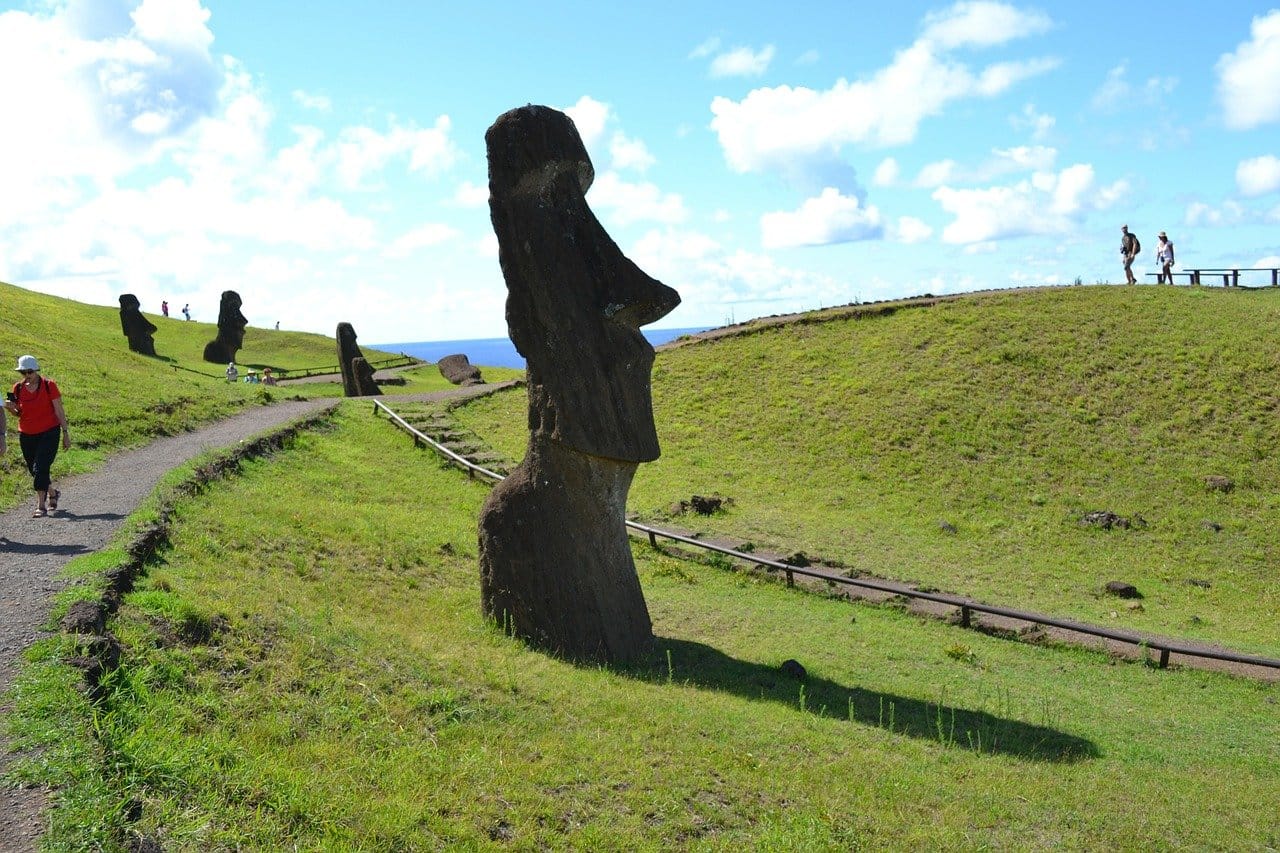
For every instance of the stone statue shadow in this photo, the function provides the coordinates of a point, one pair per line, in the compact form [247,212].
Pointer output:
[977,731]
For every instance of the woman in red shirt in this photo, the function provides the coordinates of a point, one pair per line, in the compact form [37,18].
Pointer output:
[41,422]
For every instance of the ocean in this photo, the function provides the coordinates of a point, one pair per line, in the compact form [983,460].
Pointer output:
[500,352]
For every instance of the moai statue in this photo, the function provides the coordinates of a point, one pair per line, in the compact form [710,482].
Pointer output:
[231,323]
[459,370]
[347,352]
[555,559]
[362,376]
[138,329]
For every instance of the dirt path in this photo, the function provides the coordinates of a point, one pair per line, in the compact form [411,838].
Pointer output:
[33,553]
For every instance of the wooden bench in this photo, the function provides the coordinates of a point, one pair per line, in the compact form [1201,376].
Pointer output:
[1231,276]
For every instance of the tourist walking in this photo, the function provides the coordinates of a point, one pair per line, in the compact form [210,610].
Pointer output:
[1164,257]
[164,307]
[186,311]
[1129,249]
[41,423]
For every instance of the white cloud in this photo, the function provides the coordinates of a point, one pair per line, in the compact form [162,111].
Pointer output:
[635,202]
[1117,93]
[773,128]
[742,62]
[982,24]
[1045,203]
[178,23]
[809,57]
[1003,161]
[1258,176]
[708,47]
[318,103]
[1201,214]
[364,152]
[627,153]
[430,234]
[886,173]
[911,230]
[828,218]
[1040,124]
[471,195]
[1247,78]
[590,116]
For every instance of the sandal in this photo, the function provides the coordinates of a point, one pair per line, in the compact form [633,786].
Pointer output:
[54,494]
[39,513]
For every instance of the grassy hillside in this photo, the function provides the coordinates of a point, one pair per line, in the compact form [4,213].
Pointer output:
[307,668]
[116,398]
[1008,416]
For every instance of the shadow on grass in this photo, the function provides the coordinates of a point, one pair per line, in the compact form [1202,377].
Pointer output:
[978,731]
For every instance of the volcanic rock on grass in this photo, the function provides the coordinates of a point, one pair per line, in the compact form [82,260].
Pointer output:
[1219,483]
[138,329]
[1108,520]
[459,370]
[231,323]
[555,560]
[1120,589]
[705,505]
[793,669]
[362,377]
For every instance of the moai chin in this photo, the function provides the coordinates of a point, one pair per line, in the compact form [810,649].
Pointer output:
[555,559]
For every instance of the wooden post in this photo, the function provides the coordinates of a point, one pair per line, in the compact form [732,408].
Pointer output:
[653,540]
[1235,278]
[964,617]
[1164,658]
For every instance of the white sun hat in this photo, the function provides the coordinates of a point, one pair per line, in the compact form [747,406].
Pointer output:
[27,362]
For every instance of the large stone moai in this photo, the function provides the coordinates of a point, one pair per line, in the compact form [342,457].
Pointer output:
[353,384]
[231,323]
[138,329]
[555,560]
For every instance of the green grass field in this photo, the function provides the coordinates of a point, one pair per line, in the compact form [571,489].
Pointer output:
[316,674]
[117,399]
[1009,417]
[306,665]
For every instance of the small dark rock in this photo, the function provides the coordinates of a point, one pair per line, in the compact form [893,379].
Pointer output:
[799,559]
[501,831]
[706,505]
[145,844]
[1219,483]
[1212,525]
[1203,584]
[793,669]
[1108,520]
[1121,589]
[948,527]
[459,370]
[84,617]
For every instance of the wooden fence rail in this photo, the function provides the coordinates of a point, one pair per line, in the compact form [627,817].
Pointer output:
[965,606]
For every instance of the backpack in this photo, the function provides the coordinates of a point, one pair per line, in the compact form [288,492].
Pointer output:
[1137,245]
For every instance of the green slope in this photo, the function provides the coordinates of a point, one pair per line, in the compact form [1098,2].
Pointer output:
[1008,416]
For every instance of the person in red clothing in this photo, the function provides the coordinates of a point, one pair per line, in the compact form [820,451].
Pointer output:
[41,422]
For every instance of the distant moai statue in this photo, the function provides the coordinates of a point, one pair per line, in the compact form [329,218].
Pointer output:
[362,371]
[138,329]
[555,560]
[459,370]
[353,385]
[231,323]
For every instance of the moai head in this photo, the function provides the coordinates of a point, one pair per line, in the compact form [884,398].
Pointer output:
[231,322]
[575,303]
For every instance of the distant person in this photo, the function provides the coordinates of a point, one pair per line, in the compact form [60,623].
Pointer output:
[1164,257]
[1129,249]
[268,378]
[41,423]
[164,307]
[251,378]
[232,373]
[186,311]
[277,325]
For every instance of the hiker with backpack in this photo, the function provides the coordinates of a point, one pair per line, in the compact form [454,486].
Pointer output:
[1129,249]
[41,423]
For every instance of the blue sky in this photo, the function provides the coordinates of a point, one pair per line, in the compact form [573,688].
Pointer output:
[326,160]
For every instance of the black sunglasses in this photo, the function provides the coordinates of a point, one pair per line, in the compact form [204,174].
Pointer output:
[26,372]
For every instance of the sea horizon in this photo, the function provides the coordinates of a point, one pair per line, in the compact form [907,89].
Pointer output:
[500,352]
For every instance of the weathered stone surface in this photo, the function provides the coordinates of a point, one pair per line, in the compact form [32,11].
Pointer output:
[347,352]
[362,376]
[1219,483]
[1108,520]
[555,561]
[706,505]
[138,329]
[231,323]
[459,370]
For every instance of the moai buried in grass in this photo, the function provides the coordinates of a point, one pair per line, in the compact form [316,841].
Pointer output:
[354,384]
[555,560]
[231,323]
[138,329]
